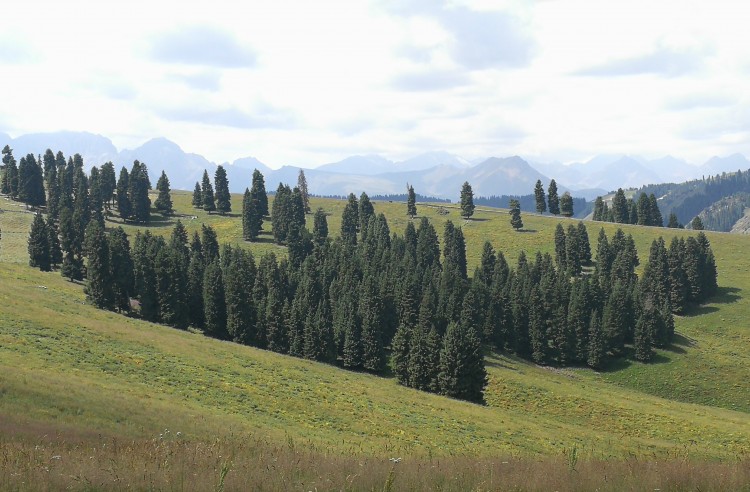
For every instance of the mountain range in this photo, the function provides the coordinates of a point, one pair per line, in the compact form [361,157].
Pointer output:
[437,173]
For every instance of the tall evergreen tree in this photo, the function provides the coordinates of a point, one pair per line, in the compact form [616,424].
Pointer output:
[55,251]
[98,272]
[258,190]
[31,182]
[411,202]
[207,192]
[655,217]
[597,344]
[223,198]
[96,203]
[252,220]
[462,372]
[644,330]
[121,264]
[123,200]
[696,224]
[598,209]
[197,201]
[138,193]
[560,254]
[39,250]
[467,201]
[553,200]
[302,185]
[539,197]
[365,212]
[400,347]
[238,283]
[371,314]
[320,227]
[163,202]
[214,303]
[350,220]
[673,222]
[108,183]
[10,175]
[620,210]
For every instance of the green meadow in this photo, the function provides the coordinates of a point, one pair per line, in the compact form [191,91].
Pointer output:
[77,382]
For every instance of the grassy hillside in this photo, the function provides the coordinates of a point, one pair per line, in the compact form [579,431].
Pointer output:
[70,370]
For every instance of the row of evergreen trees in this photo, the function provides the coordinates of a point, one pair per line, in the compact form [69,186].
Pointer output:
[644,211]
[209,200]
[553,203]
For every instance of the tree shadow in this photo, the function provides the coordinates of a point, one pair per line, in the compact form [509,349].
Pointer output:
[262,240]
[527,230]
[477,219]
[724,295]
[493,358]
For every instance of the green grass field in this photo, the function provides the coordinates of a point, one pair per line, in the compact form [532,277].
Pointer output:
[70,373]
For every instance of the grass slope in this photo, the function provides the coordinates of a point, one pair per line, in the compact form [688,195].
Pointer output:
[69,368]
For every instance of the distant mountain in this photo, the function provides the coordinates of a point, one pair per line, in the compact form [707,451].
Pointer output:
[718,165]
[160,154]
[367,165]
[95,149]
[429,160]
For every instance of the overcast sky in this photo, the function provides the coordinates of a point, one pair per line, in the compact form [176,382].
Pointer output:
[305,83]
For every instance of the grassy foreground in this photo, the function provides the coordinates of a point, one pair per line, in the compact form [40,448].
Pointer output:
[91,399]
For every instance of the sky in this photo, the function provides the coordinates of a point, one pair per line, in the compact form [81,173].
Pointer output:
[306,83]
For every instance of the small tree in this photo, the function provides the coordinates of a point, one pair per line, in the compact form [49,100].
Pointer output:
[411,202]
[197,196]
[552,199]
[696,224]
[566,205]
[541,202]
[515,215]
[258,190]
[164,201]
[467,200]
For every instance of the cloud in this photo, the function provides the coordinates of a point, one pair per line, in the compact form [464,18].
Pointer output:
[487,39]
[429,80]
[699,101]
[663,61]
[14,51]
[481,39]
[229,117]
[202,45]
[202,81]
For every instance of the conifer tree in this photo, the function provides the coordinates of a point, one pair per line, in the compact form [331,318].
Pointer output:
[209,243]
[53,191]
[696,224]
[320,227]
[223,198]
[597,345]
[411,202]
[467,201]
[620,210]
[121,264]
[98,272]
[108,183]
[365,212]
[31,182]
[673,222]
[515,215]
[352,347]
[171,286]
[419,372]
[258,190]
[197,196]
[72,245]
[55,251]
[462,372]
[644,331]
[207,192]
[238,283]
[304,193]
[145,250]
[123,200]
[39,250]
[371,314]
[573,251]
[400,347]
[598,209]
[10,175]
[350,221]
[196,271]
[95,196]
[252,220]
[553,201]
[138,193]
[560,254]
[566,205]
[163,202]
[281,213]
[214,303]
[539,197]
[584,244]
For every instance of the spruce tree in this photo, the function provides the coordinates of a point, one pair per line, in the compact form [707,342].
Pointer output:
[696,224]
[584,244]
[238,282]
[620,210]
[163,202]
[252,220]
[39,250]
[121,264]
[644,332]
[419,372]
[258,190]
[553,200]
[371,314]
[365,212]
[462,372]
[207,192]
[171,286]
[560,253]
[566,205]
[98,272]
[196,271]
[673,222]
[123,200]
[55,251]
[209,243]
[31,182]
[539,197]
[350,220]
[573,251]
[320,227]
[108,183]
[197,201]
[145,251]
[214,303]
[467,201]
[302,185]
[223,198]
[411,202]
[95,196]
[598,209]
[138,193]
[10,178]
[400,347]
[515,215]
[597,345]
